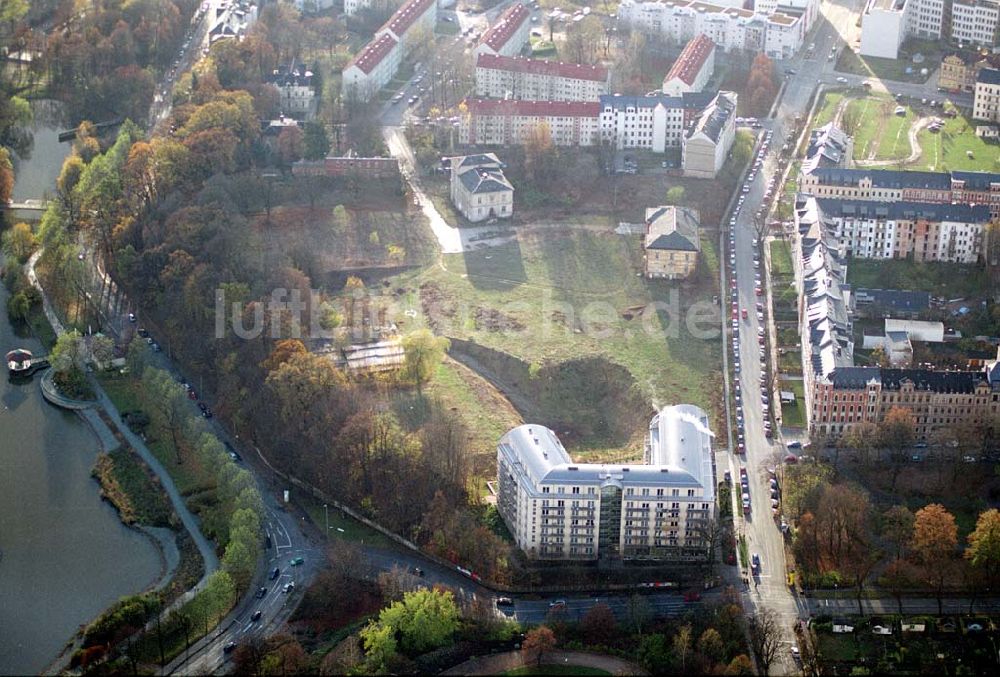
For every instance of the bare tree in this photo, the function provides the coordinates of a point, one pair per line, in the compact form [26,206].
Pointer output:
[765,637]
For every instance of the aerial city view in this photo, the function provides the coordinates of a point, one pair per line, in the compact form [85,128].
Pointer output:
[500,337]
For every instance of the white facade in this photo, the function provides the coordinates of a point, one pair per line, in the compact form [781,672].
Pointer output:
[502,77]
[884,25]
[986,103]
[372,68]
[500,123]
[352,7]
[927,18]
[376,64]
[773,32]
[651,122]
[706,146]
[479,189]
[974,22]
[558,509]
[509,35]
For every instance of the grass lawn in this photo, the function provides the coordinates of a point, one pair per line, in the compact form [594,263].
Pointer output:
[884,69]
[790,362]
[827,108]
[556,670]
[794,415]
[558,295]
[894,140]
[342,527]
[781,258]
[867,128]
[950,280]
[948,149]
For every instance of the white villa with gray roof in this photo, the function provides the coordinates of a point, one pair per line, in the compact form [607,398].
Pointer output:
[560,510]
[479,189]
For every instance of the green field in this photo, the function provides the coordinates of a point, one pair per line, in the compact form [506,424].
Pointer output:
[949,148]
[558,295]
[894,140]
[850,61]
[781,258]
[882,135]
[827,108]
[794,415]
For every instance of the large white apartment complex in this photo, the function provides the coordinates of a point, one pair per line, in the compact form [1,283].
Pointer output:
[706,145]
[651,122]
[495,122]
[776,28]
[885,24]
[509,77]
[509,35]
[560,510]
[655,123]
[986,104]
[375,65]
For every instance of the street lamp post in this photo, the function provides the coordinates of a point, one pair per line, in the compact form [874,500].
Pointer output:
[326,512]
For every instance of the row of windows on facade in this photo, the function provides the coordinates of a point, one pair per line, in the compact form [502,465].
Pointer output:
[629,491]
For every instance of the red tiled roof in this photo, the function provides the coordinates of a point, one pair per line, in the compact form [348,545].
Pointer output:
[581,109]
[404,17]
[542,67]
[691,59]
[505,27]
[373,53]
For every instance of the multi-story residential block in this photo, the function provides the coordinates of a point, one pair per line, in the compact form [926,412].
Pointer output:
[885,24]
[706,145]
[651,122]
[509,35]
[479,189]
[772,31]
[887,185]
[974,22]
[820,278]
[509,77]
[693,68]
[560,510]
[960,70]
[672,242]
[377,63]
[986,104]
[494,122]
[294,89]
[371,68]
[950,233]
[413,20]
[937,399]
